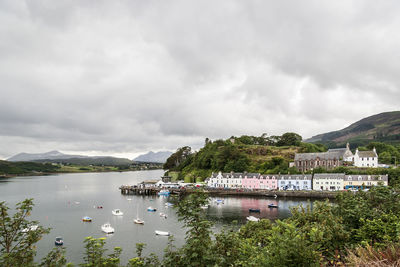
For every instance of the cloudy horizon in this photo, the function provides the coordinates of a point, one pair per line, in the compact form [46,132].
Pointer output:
[122,78]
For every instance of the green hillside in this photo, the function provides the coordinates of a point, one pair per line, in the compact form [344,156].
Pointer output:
[18,168]
[383,127]
[246,153]
[106,161]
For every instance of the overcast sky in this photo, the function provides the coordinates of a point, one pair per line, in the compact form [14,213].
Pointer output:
[125,77]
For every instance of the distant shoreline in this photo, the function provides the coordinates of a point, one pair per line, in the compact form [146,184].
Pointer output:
[65,172]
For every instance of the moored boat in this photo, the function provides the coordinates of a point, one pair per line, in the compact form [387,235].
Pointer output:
[138,221]
[87,219]
[151,209]
[59,241]
[164,193]
[163,215]
[169,204]
[117,212]
[106,228]
[162,233]
[272,205]
[254,210]
[252,219]
[30,228]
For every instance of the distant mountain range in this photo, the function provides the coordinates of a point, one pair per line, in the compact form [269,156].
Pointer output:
[159,157]
[40,156]
[58,157]
[383,127]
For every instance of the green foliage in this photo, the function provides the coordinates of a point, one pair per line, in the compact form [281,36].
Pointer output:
[55,258]
[196,251]
[94,253]
[180,156]
[289,247]
[17,240]
[289,139]
[14,168]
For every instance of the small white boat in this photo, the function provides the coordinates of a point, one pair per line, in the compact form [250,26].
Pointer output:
[138,221]
[129,199]
[220,201]
[163,215]
[106,228]
[169,204]
[204,207]
[252,219]
[162,233]
[117,212]
[59,241]
[151,209]
[30,228]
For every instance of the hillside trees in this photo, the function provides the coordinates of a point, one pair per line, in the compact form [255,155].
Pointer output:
[178,157]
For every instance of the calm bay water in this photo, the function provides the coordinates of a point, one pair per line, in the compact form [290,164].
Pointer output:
[62,200]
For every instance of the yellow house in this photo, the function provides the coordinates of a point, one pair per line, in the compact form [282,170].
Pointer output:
[357,181]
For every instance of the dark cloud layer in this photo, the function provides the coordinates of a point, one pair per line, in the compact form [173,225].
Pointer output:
[123,77]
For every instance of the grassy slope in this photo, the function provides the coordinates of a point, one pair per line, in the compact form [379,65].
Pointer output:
[383,127]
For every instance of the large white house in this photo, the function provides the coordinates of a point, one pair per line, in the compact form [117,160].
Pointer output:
[225,180]
[295,182]
[367,159]
[328,181]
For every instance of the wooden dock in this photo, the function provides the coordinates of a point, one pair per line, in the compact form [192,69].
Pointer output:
[147,191]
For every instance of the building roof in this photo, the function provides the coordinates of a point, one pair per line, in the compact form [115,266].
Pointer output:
[320,155]
[329,176]
[295,177]
[364,177]
[366,154]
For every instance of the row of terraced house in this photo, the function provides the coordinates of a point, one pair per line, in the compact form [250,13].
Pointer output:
[317,181]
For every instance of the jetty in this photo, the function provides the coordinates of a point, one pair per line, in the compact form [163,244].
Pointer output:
[136,190]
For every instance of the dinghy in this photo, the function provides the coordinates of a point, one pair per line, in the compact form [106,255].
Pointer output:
[106,228]
[272,205]
[151,209]
[252,219]
[137,220]
[162,233]
[59,241]
[254,210]
[163,215]
[30,228]
[117,212]
[87,219]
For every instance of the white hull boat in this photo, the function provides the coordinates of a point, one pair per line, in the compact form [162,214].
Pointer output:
[252,219]
[162,233]
[106,228]
[163,215]
[138,221]
[30,228]
[117,212]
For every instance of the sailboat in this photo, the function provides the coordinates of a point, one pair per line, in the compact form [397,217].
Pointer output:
[137,220]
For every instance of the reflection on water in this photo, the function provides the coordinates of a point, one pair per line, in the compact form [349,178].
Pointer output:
[61,201]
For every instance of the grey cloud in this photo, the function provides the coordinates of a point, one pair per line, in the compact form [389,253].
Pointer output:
[131,76]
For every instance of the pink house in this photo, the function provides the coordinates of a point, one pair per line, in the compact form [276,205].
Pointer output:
[251,181]
[268,181]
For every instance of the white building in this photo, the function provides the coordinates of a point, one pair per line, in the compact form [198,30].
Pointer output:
[225,180]
[295,182]
[328,181]
[367,159]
